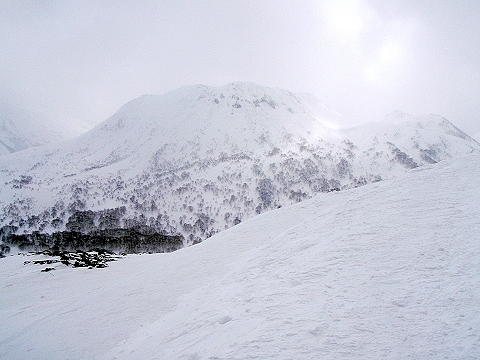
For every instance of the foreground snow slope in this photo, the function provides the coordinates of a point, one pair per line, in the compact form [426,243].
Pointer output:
[389,270]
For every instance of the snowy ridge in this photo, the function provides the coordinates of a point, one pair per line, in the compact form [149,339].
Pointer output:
[388,270]
[201,159]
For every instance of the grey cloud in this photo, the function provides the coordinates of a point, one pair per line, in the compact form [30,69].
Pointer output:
[84,59]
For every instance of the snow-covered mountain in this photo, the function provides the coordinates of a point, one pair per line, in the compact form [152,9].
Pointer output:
[200,159]
[22,128]
[385,271]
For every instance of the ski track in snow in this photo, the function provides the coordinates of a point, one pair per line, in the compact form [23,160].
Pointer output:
[389,270]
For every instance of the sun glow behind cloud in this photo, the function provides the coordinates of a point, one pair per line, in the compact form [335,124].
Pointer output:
[369,48]
[86,61]
[344,17]
[389,58]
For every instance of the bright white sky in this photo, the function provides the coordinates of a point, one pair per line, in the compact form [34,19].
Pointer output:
[364,58]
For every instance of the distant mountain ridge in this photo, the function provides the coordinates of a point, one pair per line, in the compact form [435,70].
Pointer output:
[22,128]
[201,159]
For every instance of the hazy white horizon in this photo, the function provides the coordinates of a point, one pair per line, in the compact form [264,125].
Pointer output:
[84,59]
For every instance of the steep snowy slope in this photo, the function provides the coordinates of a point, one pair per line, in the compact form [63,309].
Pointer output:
[21,128]
[200,159]
[388,270]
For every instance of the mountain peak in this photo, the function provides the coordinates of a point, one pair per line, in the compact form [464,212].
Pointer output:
[200,159]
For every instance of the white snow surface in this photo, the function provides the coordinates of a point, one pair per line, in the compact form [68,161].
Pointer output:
[387,270]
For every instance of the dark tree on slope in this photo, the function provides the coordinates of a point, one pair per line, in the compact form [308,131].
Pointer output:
[81,221]
[402,157]
[110,218]
[344,168]
[266,190]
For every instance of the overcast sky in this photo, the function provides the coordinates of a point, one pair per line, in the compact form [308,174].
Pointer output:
[364,58]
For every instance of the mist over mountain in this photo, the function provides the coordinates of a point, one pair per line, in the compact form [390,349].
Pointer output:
[22,127]
[198,160]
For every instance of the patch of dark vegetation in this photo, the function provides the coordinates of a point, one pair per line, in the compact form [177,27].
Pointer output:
[4,249]
[90,259]
[428,155]
[132,240]
[96,258]
[402,157]
[22,182]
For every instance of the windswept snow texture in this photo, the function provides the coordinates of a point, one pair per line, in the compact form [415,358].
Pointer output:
[388,270]
[477,137]
[201,159]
